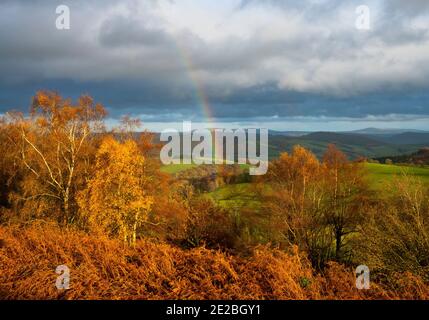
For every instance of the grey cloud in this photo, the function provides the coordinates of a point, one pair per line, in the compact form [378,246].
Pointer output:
[122,31]
[133,62]
[407,8]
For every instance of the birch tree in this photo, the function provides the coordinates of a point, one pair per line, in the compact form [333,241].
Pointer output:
[116,199]
[54,141]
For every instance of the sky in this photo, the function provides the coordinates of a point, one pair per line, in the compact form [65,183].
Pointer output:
[281,64]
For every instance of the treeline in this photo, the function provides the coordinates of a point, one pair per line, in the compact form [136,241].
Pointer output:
[61,164]
[209,177]
[61,167]
[419,158]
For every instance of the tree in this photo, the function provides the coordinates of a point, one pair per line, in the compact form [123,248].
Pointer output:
[55,147]
[10,168]
[209,224]
[395,238]
[388,161]
[315,205]
[116,199]
[345,188]
[293,196]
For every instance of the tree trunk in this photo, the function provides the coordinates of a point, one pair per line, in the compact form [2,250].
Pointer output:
[338,236]
[134,235]
[66,205]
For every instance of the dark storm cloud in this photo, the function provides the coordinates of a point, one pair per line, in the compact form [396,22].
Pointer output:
[268,58]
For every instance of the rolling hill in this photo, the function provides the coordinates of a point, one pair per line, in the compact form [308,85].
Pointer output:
[354,145]
[387,132]
[369,143]
[414,138]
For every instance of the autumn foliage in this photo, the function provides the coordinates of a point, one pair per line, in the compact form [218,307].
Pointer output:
[74,193]
[115,199]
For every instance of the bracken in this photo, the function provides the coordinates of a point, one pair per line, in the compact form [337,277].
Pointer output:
[102,268]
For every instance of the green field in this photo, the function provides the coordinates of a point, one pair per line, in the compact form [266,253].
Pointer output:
[379,176]
[176,168]
[236,196]
[243,195]
[382,174]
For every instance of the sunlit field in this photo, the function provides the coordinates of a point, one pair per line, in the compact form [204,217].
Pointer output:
[380,178]
[381,175]
[176,168]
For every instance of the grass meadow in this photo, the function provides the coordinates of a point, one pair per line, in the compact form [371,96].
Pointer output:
[380,177]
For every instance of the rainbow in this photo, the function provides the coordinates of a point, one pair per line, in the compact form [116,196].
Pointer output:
[200,95]
[197,84]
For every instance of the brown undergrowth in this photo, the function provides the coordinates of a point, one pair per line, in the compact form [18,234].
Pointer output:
[102,268]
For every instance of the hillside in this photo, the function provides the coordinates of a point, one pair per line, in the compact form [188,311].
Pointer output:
[414,138]
[344,138]
[354,145]
[390,132]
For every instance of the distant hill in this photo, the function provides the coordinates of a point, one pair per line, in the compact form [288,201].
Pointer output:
[389,132]
[416,138]
[288,133]
[354,145]
[369,142]
[345,138]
